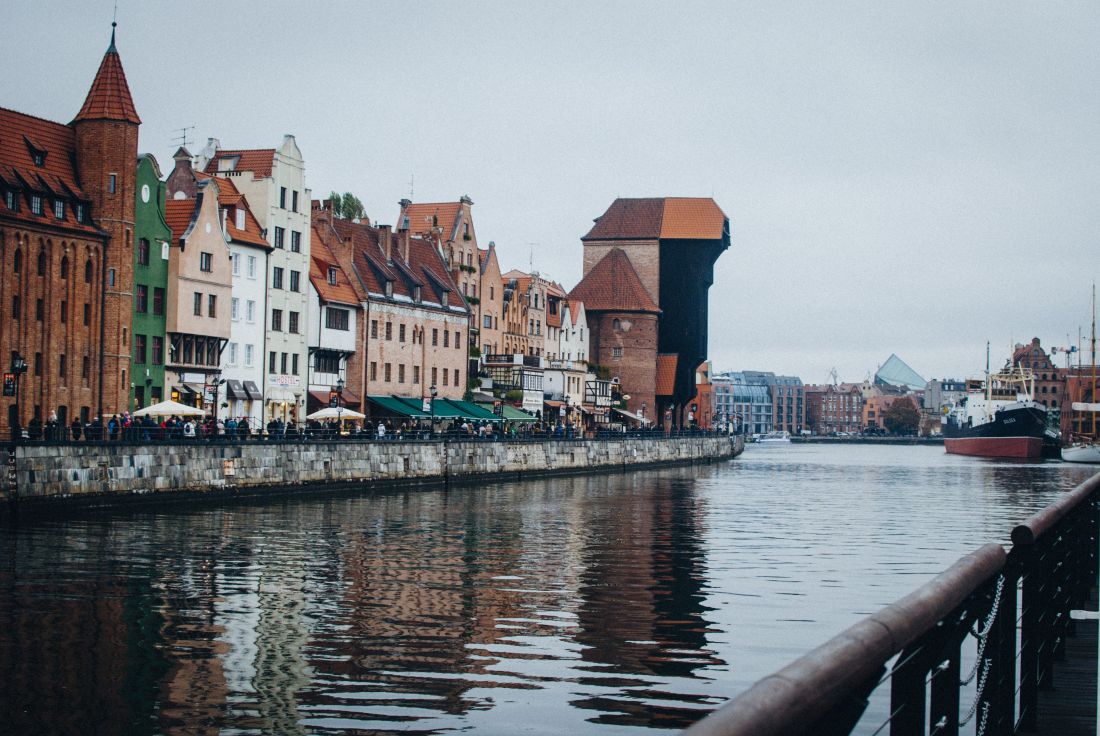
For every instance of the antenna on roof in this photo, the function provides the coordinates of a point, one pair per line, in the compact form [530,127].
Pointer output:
[531,257]
[412,183]
[182,137]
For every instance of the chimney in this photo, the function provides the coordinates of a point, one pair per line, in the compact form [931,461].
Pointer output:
[405,246]
[385,236]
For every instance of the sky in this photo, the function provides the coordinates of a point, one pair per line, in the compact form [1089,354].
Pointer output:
[909,178]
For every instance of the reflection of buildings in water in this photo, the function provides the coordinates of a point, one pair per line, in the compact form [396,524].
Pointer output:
[281,636]
[642,610]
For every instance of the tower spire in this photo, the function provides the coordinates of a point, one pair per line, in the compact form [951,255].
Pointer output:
[111,49]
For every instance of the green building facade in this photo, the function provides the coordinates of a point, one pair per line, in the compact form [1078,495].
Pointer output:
[151,244]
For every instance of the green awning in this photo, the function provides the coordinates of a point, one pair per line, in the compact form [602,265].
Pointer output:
[512,414]
[399,406]
[476,411]
[443,409]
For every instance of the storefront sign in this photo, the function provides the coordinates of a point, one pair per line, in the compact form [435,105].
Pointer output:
[9,384]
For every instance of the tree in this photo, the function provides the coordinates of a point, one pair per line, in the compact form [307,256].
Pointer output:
[902,417]
[347,206]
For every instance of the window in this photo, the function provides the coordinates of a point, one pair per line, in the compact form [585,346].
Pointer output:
[445,374]
[458,339]
[487,322]
[198,304]
[400,372]
[38,364]
[85,367]
[373,371]
[87,313]
[143,252]
[232,359]
[211,305]
[139,348]
[277,320]
[456,376]
[235,309]
[294,201]
[236,260]
[389,330]
[374,329]
[416,374]
[141,298]
[282,363]
[248,355]
[59,209]
[64,311]
[293,327]
[324,362]
[16,306]
[11,200]
[492,291]
[616,353]
[61,365]
[280,233]
[41,263]
[332,275]
[81,213]
[112,183]
[435,341]
[386,372]
[446,338]
[271,362]
[295,280]
[238,216]
[36,204]
[110,277]
[336,319]
[295,241]
[434,376]
[416,293]
[250,311]
[158,300]
[158,350]
[276,278]
[252,267]
[87,271]
[282,198]
[39,309]
[401,333]
[17,261]
[206,262]
[294,364]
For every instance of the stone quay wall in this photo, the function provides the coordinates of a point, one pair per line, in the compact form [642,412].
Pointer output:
[108,474]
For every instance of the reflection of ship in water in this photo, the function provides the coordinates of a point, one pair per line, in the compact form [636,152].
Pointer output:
[642,611]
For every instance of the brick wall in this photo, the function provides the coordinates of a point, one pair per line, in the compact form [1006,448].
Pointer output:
[644,255]
[637,367]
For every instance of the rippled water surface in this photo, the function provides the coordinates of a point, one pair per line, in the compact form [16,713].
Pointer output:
[600,604]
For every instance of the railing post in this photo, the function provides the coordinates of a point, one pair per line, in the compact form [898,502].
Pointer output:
[945,678]
[1030,637]
[908,693]
[1002,648]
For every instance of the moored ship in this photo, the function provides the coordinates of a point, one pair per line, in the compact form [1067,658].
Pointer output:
[999,418]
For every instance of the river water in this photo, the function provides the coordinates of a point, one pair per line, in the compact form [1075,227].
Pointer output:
[605,604]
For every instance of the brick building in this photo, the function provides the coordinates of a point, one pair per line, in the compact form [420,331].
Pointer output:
[655,256]
[834,408]
[66,239]
[1050,382]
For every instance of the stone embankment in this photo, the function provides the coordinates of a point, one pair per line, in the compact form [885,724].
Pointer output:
[106,474]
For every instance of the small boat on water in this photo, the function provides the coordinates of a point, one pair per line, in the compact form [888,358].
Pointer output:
[999,418]
[1085,447]
[774,437]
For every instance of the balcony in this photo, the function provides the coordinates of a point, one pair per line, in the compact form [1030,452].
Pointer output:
[530,361]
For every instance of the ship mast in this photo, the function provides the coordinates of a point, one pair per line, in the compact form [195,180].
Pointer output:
[1092,350]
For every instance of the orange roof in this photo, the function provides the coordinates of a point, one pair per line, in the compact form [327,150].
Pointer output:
[670,218]
[666,373]
[178,214]
[109,98]
[257,160]
[613,286]
[320,261]
[423,217]
[230,196]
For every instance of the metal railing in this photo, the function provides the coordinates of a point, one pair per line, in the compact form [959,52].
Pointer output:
[1011,608]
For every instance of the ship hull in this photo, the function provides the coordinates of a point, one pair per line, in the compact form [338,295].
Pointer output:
[1016,433]
[1017,448]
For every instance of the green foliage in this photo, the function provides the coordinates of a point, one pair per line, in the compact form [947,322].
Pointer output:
[347,206]
[902,417]
[514,396]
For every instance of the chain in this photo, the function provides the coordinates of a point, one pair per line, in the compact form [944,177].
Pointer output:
[983,636]
[978,697]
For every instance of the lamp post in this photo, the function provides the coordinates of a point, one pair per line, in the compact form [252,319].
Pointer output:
[18,368]
[340,404]
[433,393]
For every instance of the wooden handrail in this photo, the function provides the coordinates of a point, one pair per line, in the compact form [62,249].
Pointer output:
[795,697]
[1038,524]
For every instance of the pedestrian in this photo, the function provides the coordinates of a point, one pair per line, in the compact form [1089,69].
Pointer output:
[75,428]
[381,430]
[113,427]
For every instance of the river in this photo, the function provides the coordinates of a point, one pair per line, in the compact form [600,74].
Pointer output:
[602,604]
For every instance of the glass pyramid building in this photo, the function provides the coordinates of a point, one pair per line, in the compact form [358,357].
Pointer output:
[895,372]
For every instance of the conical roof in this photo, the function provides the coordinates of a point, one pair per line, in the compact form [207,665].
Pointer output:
[613,286]
[109,98]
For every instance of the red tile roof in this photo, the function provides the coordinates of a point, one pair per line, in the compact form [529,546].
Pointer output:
[425,216]
[178,214]
[109,98]
[613,286]
[672,218]
[666,373]
[257,160]
[320,261]
[230,197]
[20,136]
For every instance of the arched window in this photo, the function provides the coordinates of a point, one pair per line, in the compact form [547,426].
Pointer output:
[88,272]
[64,267]
[616,324]
[17,262]
[41,263]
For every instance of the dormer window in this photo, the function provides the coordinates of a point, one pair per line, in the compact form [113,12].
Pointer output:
[228,163]
[239,216]
[416,294]
[59,209]
[39,158]
[11,200]
[389,289]
[332,275]
[444,299]
[81,212]
[36,204]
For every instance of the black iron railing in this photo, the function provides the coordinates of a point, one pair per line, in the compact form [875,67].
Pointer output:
[997,608]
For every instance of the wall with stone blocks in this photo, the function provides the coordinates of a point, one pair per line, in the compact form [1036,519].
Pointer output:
[43,471]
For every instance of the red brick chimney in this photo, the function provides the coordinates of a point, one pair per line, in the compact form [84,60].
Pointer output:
[405,246]
[386,238]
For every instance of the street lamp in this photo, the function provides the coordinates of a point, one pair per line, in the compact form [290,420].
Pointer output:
[433,392]
[18,368]
[339,403]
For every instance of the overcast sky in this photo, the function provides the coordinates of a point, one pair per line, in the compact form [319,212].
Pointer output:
[910,178]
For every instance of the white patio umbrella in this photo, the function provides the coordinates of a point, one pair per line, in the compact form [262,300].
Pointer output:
[331,412]
[168,409]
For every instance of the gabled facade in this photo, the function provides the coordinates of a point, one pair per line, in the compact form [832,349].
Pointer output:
[532,289]
[335,316]
[273,182]
[66,239]
[151,259]
[200,286]
[834,408]
[574,334]
[490,305]
[514,336]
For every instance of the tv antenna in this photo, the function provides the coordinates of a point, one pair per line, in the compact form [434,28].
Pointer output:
[412,186]
[182,137]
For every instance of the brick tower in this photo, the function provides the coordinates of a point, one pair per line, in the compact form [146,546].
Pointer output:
[106,155]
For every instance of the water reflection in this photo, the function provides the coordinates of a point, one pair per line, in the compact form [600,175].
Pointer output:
[566,605]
